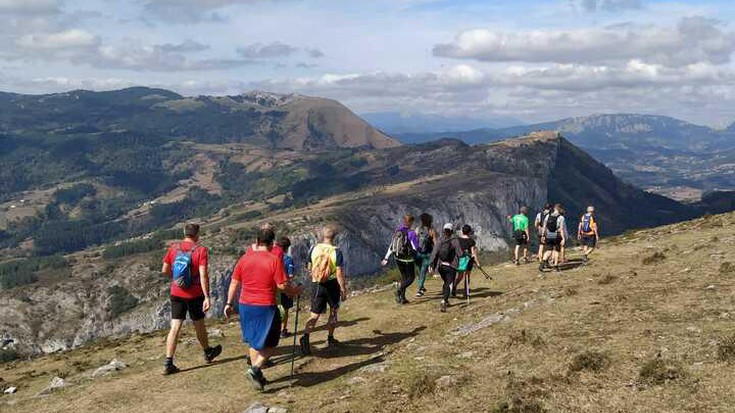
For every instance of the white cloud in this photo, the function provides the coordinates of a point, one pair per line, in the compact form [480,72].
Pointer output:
[29,7]
[266,51]
[67,39]
[189,11]
[693,40]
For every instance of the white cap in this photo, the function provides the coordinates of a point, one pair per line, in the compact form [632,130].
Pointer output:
[590,209]
[449,226]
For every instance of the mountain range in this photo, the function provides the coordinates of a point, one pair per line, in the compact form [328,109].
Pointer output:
[396,123]
[658,153]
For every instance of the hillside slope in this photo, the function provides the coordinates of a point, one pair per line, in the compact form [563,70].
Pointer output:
[646,327]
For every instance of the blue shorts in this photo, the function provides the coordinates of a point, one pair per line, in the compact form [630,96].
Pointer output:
[260,325]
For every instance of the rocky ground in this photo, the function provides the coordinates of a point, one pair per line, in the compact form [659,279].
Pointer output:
[647,326]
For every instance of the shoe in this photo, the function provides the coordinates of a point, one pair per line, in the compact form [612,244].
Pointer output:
[419,293]
[170,369]
[257,380]
[443,307]
[517,262]
[285,334]
[211,353]
[305,347]
[332,342]
[526,260]
[404,301]
[423,290]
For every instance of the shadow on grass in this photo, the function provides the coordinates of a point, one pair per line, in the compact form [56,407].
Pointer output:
[569,265]
[215,363]
[351,348]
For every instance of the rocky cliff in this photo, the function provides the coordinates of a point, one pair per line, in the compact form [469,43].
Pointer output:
[477,185]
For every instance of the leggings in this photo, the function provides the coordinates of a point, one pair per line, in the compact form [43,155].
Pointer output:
[408,274]
[423,262]
[448,275]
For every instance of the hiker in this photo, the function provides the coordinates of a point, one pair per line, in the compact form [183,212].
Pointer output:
[427,239]
[554,236]
[258,275]
[284,300]
[587,233]
[328,285]
[539,225]
[521,234]
[187,263]
[467,259]
[403,247]
[445,259]
[275,248]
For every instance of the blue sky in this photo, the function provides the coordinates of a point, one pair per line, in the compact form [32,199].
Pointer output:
[531,60]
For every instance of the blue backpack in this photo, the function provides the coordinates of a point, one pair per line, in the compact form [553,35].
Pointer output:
[181,268]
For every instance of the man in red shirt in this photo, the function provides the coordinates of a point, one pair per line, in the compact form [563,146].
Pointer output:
[258,275]
[183,256]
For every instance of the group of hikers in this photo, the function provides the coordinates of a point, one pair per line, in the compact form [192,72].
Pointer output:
[262,287]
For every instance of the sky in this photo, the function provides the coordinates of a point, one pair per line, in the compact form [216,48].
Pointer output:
[529,60]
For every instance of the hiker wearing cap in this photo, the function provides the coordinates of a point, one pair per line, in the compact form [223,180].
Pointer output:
[328,285]
[587,233]
[258,276]
[403,247]
[554,235]
[445,259]
[539,225]
[468,258]
[187,263]
[427,239]
[521,234]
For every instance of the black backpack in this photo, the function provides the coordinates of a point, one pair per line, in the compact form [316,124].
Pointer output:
[552,223]
[401,245]
[426,243]
[446,250]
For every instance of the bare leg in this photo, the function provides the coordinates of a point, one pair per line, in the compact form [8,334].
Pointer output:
[284,324]
[173,337]
[259,357]
[518,248]
[333,320]
[311,323]
[202,336]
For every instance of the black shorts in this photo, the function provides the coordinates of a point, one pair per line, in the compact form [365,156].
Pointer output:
[323,294]
[286,301]
[181,306]
[589,240]
[554,243]
[520,237]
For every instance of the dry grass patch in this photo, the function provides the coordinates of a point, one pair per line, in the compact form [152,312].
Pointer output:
[726,349]
[607,279]
[654,258]
[727,268]
[524,338]
[523,396]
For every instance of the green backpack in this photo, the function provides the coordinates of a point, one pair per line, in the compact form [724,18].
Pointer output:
[464,263]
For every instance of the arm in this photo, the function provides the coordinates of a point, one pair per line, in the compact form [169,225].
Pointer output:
[579,228]
[166,269]
[414,239]
[387,256]
[473,251]
[204,280]
[234,285]
[342,280]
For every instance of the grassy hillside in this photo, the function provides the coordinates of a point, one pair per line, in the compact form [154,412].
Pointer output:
[647,327]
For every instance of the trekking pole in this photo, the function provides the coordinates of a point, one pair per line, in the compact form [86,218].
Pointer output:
[295,333]
[482,270]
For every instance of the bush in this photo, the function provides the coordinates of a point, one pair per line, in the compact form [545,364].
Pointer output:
[8,355]
[589,361]
[23,271]
[659,371]
[121,300]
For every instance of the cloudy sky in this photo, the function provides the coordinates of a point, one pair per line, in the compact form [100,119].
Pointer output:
[532,60]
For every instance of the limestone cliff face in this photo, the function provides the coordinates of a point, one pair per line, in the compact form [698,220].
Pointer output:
[454,182]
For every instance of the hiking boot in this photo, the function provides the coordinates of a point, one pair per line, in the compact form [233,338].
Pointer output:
[419,294]
[443,306]
[211,353]
[285,334]
[170,369]
[423,290]
[256,379]
[332,342]
[304,343]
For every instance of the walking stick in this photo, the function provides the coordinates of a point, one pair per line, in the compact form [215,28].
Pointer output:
[482,270]
[295,333]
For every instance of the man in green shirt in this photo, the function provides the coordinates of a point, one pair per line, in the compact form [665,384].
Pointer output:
[520,234]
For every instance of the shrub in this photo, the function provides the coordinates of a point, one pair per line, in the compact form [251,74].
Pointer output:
[727,268]
[589,361]
[659,371]
[524,338]
[8,355]
[726,349]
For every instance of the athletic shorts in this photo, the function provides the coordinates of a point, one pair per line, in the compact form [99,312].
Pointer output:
[589,240]
[323,294]
[181,306]
[260,326]
[520,237]
[286,301]
[553,242]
